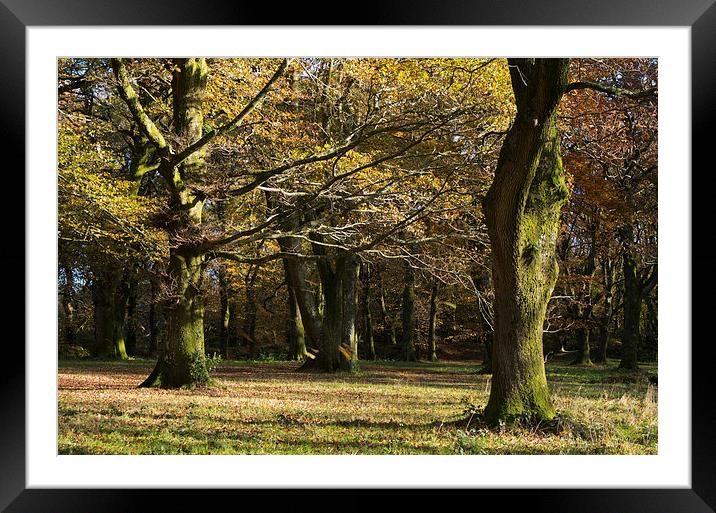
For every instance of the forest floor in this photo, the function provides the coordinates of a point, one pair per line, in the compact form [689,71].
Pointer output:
[386,408]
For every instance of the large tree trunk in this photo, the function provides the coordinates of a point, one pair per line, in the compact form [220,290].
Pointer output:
[432,344]
[296,277]
[182,359]
[632,314]
[583,347]
[408,335]
[522,213]
[333,354]
[338,345]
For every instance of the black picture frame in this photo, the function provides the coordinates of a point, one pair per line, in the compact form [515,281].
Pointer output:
[700,15]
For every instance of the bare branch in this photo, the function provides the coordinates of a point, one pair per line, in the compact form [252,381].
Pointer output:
[613,91]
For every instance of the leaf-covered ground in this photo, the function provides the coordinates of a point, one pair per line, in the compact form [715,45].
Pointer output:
[387,408]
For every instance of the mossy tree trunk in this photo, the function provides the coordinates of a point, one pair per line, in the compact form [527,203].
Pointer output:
[296,334]
[432,342]
[408,335]
[110,307]
[180,162]
[305,299]
[522,213]
[182,359]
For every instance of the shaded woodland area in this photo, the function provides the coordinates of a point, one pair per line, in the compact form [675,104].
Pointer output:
[335,213]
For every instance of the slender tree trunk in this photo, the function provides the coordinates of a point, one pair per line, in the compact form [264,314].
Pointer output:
[131,342]
[120,319]
[296,334]
[110,303]
[68,305]
[522,213]
[224,313]
[367,315]
[432,345]
[632,314]
[408,341]
[153,328]
[386,319]
[585,311]
[608,277]
[486,367]
[250,319]
[482,283]
[349,337]
[305,299]
[100,308]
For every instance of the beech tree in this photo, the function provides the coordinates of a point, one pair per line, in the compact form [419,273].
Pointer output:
[365,188]
[522,212]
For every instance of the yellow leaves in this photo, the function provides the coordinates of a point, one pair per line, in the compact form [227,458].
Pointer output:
[95,206]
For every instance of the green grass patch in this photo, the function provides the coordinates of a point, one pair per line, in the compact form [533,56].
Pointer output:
[386,408]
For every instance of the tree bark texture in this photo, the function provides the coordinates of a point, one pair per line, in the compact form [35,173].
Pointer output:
[522,213]
[182,360]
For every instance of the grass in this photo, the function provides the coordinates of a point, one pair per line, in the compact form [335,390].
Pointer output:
[386,408]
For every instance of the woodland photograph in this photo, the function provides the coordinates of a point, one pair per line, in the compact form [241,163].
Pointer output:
[356,255]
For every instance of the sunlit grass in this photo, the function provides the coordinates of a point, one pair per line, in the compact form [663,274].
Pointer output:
[387,408]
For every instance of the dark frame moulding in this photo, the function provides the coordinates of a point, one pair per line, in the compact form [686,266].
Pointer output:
[700,15]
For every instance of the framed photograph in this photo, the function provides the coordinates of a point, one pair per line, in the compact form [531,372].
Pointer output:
[665,465]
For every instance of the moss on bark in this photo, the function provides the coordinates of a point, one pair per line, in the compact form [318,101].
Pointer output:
[522,213]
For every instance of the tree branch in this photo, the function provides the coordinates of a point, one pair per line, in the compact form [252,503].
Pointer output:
[248,109]
[127,93]
[613,91]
